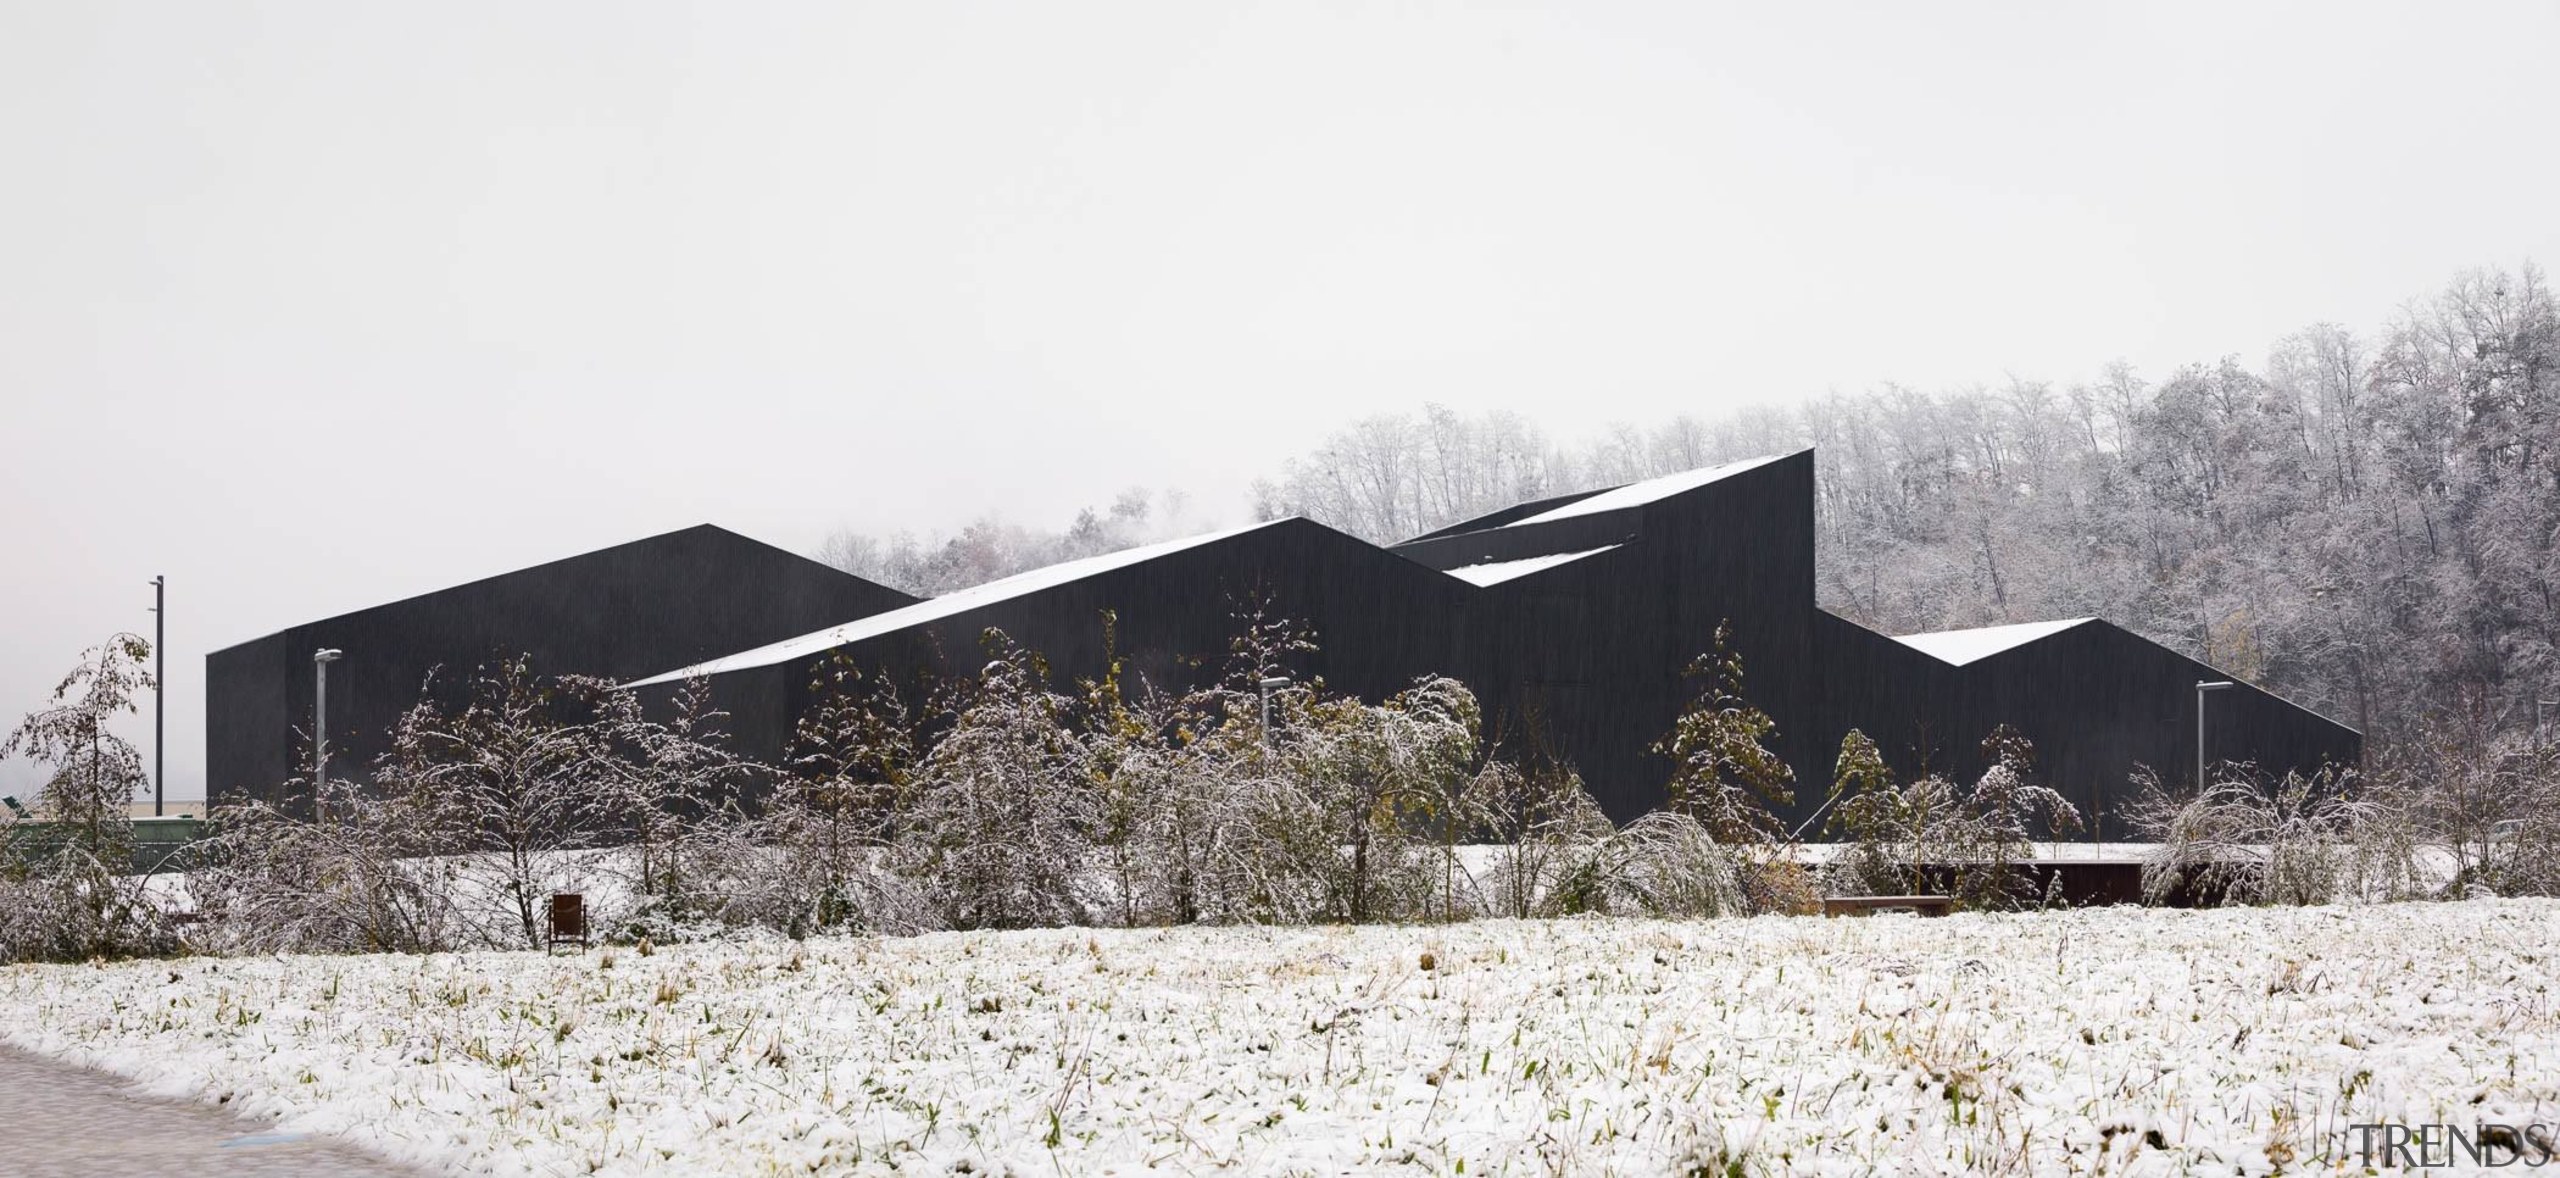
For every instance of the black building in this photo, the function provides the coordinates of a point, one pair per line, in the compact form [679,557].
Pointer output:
[1593,648]
[1574,618]
[620,612]
[1168,610]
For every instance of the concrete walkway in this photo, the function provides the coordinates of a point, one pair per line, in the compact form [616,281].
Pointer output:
[59,1121]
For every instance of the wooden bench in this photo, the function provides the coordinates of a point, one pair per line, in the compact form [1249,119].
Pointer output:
[1868,905]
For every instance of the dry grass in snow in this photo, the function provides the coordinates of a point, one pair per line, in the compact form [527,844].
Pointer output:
[2137,1041]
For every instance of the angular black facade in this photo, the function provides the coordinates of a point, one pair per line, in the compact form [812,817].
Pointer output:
[1587,659]
[619,612]
[1380,621]
[1594,649]
[1574,618]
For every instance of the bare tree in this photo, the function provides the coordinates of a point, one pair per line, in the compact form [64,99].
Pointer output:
[512,780]
[991,548]
[826,834]
[677,792]
[1549,833]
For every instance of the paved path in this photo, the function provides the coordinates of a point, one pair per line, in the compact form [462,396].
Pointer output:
[59,1121]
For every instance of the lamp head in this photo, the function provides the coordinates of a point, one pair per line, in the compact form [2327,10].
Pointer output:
[327,655]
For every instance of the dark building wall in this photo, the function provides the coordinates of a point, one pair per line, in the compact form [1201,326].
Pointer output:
[1495,519]
[248,719]
[622,613]
[1583,661]
[1743,555]
[1500,543]
[1901,698]
[2097,702]
[2100,701]
[1587,661]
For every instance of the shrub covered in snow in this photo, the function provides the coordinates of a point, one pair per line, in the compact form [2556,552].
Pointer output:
[1924,835]
[2296,842]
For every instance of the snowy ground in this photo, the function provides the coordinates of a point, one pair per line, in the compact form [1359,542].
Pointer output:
[2146,1041]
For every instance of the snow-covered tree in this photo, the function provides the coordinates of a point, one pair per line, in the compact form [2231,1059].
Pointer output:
[992,548]
[277,879]
[92,773]
[2365,523]
[1228,835]
[1930,833]
[1670,864]
[1224,821]
[65,886]
[1002,827]
[1723,772]
[2004,813]
[677,794]
[827,828]
[1549,832]
[1131,764]
[1376,778]
[517,775]
[1429,734]
[2525,859]
[1874,821]
[1393,476]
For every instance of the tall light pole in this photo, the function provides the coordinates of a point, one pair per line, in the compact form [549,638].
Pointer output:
[159,697]
[1272,684]
[2203,686]
[320,660]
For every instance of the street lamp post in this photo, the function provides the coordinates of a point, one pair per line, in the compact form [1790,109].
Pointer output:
[1272,684]
[320,660]
[2203,686]
[159,697]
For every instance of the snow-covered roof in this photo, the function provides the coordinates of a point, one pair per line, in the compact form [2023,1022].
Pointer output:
[1496,572]
[937,608]
[1965,646]
[1639,494]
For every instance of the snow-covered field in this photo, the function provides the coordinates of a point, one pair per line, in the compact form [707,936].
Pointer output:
[2139,1041]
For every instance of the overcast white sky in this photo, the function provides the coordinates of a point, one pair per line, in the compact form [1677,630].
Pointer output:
[314,305]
